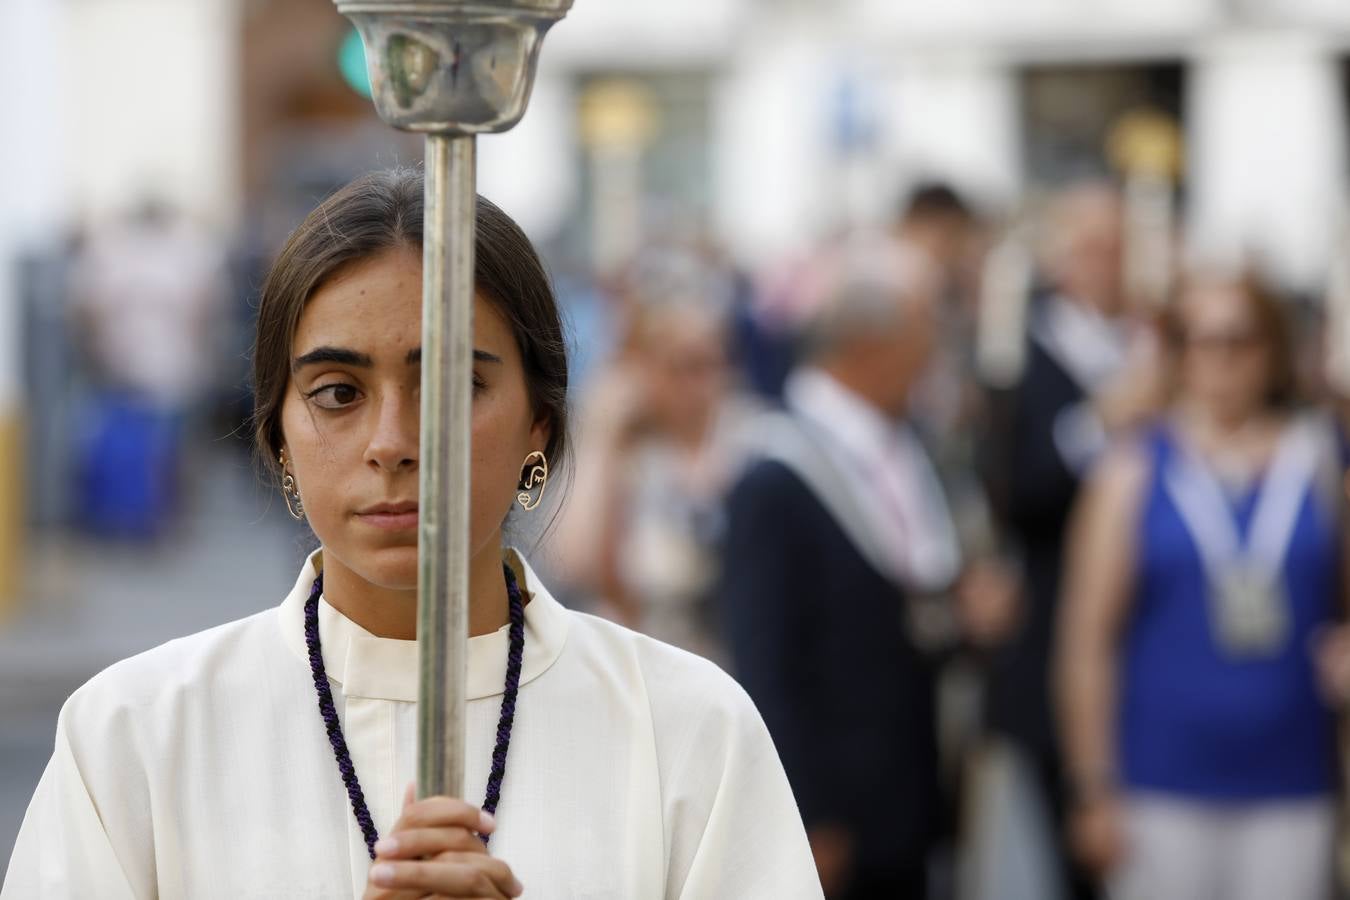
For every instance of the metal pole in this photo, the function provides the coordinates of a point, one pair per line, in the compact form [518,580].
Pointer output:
[450,69]
[443,521]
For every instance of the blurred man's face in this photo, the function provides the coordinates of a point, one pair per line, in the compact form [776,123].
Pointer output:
[897,356]
[1225,358]
[1087,262]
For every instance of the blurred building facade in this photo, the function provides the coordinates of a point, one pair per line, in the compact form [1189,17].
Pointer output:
[811,114]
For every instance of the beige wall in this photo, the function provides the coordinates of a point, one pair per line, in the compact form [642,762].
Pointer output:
[152,104]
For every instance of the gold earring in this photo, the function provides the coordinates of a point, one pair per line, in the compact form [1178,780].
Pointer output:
[537,476]
[290,492]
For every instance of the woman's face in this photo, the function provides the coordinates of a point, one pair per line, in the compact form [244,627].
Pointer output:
[1226,359]
[685,359]
[350,418]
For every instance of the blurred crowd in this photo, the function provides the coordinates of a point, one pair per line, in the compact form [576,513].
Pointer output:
[1032,565]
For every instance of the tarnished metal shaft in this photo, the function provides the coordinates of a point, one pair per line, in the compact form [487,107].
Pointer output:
[443,507]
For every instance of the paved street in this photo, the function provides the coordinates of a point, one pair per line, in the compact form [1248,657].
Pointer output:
[89,604]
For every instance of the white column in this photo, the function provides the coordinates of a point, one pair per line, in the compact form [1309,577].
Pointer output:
[954,116]
[1266,158]
[770,144]
[530,171]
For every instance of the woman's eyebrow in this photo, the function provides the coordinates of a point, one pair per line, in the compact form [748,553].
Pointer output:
[415,357]
[339,355]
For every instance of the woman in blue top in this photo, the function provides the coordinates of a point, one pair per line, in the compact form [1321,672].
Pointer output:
[1205,565]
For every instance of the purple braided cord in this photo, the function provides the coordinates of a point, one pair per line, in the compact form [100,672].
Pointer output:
[507,718]
[330,719]
[334,727]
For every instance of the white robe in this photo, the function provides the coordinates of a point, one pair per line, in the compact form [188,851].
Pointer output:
[202,768]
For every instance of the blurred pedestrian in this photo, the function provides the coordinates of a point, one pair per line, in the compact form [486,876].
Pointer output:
[936,219]
[148,296]
[832,534]
[1089,371]
[1205,558]
[947,401]
[664,432]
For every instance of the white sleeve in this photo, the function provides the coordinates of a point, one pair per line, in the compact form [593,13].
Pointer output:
[732,823]
[88,831]
[63,849]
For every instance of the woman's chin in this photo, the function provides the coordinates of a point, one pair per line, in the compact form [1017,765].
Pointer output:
[392,568]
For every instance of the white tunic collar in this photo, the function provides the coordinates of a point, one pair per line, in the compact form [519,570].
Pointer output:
[386,668]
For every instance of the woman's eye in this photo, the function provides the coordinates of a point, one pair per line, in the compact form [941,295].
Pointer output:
[479,385]
[334,396]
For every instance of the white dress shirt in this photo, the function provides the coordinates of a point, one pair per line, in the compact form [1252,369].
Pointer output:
[1091,349]
[202,769]
[892,480]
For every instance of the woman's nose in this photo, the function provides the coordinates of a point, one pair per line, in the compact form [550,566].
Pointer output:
[394,437]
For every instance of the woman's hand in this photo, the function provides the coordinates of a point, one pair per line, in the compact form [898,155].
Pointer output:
[989,602]
[1097,833]
[1331,658]
[832,847]
[434,851]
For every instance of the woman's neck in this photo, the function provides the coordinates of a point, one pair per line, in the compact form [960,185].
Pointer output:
[392,612]
[1237,443]
[1220,423]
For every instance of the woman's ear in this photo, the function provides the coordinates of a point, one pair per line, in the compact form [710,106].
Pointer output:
[541,432]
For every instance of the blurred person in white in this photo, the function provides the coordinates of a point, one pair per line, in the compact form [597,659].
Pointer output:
[663,434]
[147,289]
[1090,369]
[269,756]
[148,297]
[1204,571]
[834,531]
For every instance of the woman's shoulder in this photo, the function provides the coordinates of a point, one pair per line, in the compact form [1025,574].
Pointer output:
[176,670]
[680,686]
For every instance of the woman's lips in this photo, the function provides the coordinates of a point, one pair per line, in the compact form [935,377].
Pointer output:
[390,516]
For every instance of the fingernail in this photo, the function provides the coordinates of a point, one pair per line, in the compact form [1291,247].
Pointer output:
[486,823]
[516,887]
[382,874]
[386,846]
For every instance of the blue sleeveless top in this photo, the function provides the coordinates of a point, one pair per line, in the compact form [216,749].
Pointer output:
[1194,721]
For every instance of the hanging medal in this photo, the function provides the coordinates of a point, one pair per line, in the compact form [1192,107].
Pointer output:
[1249,608]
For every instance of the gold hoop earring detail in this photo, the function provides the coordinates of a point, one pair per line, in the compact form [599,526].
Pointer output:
[290,492]
[536,477]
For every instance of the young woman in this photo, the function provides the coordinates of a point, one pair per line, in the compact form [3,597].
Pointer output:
[1204,568]
[270,757]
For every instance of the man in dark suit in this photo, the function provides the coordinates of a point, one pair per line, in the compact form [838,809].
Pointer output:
[1079,383]
[831,534]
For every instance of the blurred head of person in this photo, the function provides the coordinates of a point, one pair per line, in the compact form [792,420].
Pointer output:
[873,322]
[1083,246]
[935,218]
[685,356]
[1231,336]
[337,376]
[679,301]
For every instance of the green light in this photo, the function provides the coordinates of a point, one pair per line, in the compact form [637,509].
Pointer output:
[352,63]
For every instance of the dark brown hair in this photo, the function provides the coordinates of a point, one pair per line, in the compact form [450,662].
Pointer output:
[383,211]
[1272,317]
